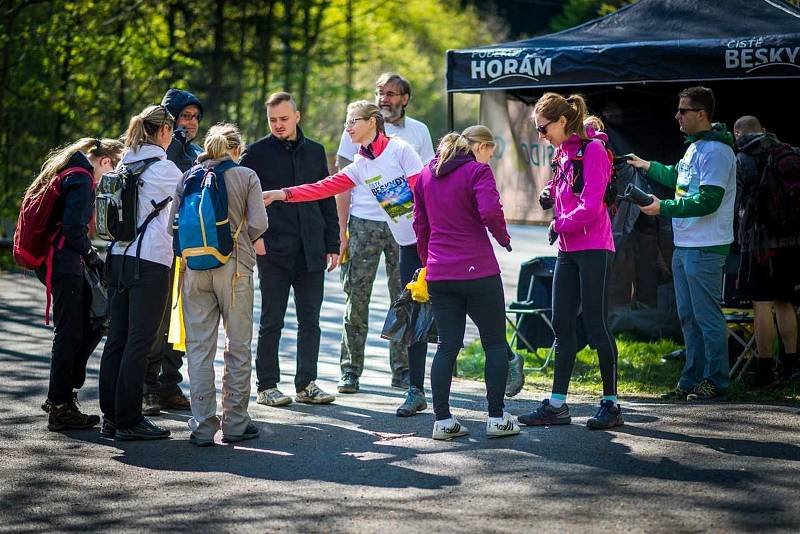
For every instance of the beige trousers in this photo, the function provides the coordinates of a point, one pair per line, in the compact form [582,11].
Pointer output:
[207,296]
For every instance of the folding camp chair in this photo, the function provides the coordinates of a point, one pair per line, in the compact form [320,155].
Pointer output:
[738,313]
[530,315]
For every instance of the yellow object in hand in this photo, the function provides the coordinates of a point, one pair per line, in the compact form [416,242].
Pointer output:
[419,287]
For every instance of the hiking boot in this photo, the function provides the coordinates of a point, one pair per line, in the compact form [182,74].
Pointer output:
[312,394]
[608,416]
[546,415]
[676,394]
[108,429]
[47,405]
[516,375]
[401,381]
[67,417]
[414,402]
[145,430]
[176,401]
[251,432]
[150,404]
[449,429]
[505,427]
[348,383]
[272,397]
[194,440]
[706,391]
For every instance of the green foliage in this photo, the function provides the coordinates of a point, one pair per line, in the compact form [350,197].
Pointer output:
[577,12]
[84,67]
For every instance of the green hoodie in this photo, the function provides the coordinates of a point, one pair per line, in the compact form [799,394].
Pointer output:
[708,199]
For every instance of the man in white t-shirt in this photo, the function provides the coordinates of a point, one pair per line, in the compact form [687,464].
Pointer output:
[365,236]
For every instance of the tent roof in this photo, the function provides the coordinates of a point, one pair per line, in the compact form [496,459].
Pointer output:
[651,40]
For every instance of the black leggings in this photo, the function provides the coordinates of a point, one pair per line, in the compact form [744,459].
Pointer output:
[482,299]
[581,282]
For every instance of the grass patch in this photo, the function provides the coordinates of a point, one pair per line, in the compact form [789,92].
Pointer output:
[642,372]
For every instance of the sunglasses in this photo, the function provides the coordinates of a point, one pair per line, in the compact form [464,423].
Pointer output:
[684,111]
[542,128]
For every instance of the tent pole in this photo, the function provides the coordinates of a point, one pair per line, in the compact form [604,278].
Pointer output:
[450,124]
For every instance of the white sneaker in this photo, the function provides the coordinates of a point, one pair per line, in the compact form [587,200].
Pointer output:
[449,429]
[505,427]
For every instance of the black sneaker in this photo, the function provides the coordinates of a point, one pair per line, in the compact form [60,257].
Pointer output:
[108,429]
[676,394]
[608,416]
[251,432]
[546,415]
[67,417]
[706,391]
[348,383]
[146,429]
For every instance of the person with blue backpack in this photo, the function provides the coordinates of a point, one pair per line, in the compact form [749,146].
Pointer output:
[218,216]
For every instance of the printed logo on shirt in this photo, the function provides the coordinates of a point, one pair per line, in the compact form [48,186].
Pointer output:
[393,195]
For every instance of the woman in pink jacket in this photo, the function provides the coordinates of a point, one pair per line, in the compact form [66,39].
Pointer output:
[582,171]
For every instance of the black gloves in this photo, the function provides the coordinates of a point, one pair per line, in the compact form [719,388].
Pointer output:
[93,261]
[179,134]
[545,201]
[552,235]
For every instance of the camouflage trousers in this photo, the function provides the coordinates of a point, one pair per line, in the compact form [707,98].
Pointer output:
[368,240]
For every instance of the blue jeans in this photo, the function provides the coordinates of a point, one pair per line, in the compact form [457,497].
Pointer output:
[698,291]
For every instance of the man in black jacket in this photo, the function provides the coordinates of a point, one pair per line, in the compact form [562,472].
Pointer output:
[163,377]
[301,241]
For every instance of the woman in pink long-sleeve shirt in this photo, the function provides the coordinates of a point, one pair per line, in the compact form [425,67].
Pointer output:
[387,168]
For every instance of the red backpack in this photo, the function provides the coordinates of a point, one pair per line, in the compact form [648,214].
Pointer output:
[34,241]
[779,191]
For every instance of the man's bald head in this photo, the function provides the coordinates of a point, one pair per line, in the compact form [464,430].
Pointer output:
[747,125]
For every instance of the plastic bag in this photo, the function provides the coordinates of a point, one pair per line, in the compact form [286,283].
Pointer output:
[177,331]
[98,312]
[409,322]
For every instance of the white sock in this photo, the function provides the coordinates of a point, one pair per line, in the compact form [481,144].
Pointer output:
[447,423]
[496,420]
[557,401]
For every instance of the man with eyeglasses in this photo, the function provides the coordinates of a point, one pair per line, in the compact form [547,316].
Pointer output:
[163,377]
[188,112]
[365,236]
[702,221]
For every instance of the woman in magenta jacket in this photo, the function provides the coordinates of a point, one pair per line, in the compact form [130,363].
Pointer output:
[585,252]
[455,201]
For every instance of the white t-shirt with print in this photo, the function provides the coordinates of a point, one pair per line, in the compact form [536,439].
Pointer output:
[706,163]
[413,132]
[385,181]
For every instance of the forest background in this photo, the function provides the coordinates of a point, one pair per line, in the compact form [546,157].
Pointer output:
[72,68]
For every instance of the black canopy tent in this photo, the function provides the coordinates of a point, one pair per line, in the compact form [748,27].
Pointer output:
[636,60]
[631,65]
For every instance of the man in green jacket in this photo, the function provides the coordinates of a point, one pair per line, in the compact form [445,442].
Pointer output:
[705,190]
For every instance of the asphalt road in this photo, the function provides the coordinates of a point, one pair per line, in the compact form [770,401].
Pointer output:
[354,467]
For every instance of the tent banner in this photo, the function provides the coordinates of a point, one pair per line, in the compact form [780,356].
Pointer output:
[507,66]
[521,162]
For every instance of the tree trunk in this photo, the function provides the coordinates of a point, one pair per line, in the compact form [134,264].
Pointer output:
[215,104]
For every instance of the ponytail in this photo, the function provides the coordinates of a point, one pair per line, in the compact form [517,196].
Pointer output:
[220,140]
[573,108]
[58,159]
[144,126]
[453,143]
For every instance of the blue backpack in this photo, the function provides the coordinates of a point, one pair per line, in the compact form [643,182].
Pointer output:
[201,229]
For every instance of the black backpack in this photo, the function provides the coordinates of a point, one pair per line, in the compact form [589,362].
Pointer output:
[611,195]
[779,193]
[117,202]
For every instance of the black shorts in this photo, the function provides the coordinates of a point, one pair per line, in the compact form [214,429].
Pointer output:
[776,279]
